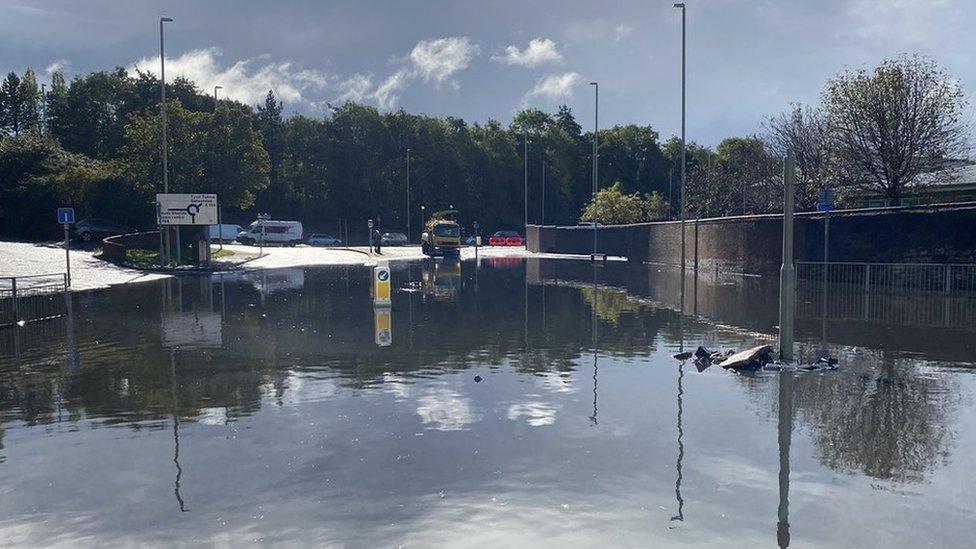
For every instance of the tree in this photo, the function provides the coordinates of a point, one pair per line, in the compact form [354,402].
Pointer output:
[891,125]
[613,207]
[270,125]
[212,152]
[11,105]
[746,171]
[37,176]
[804,131]
[656,207]
[30,95]
[56,106]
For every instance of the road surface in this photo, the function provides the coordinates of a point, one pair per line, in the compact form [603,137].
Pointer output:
[89,272]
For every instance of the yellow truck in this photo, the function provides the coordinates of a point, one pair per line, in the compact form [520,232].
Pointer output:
[442,234]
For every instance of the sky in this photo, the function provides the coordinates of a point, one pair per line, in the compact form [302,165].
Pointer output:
[480,60]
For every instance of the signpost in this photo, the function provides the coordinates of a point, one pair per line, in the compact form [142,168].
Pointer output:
[381,284]
[186,209]
[826,205]
[177,209]
[66,217]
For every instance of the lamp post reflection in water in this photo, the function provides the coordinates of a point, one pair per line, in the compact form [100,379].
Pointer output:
[596,304]
[176,434]
[681,447]
[785,435]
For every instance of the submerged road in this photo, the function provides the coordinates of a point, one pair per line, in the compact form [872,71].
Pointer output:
[88,272]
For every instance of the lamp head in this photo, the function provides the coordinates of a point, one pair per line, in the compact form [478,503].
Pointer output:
[679,5]
[165,20]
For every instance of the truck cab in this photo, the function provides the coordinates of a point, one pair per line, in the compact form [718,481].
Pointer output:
[442,234]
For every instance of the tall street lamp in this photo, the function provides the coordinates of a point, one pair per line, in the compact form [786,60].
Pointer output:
[162,95]
[215,96]
[543,222]
[525,170]
[162,107]
[681,6]
[408,195]
[596,159]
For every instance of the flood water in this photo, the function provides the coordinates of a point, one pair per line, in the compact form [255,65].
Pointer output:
[280,407]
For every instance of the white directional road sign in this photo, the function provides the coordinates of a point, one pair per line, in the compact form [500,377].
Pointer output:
[186,209]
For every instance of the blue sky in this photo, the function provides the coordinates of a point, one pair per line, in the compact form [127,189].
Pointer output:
[480,60]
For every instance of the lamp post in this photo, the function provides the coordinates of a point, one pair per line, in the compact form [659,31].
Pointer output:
[215,96]
[681,6]
[162,107]
[543,222]
[408,195]
[596,158]
[525,171]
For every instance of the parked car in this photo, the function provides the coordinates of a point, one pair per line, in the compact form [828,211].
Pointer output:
[506,238]
[94,230]
[393,239]
[225,232]
[321,239]
[271,231]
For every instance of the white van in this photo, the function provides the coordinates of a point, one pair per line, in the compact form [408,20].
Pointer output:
[275,232]
[226,232]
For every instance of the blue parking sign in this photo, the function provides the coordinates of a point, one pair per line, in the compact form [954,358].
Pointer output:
[66,216]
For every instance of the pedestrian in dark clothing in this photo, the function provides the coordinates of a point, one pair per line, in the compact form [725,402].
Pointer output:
[377,238]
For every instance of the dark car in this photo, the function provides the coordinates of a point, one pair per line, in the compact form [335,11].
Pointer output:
[94,230]
[394,239]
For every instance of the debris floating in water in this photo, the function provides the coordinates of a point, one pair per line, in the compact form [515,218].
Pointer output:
[478,379]
[683,356]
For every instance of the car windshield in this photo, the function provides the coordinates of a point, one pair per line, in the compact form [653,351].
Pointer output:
[506,233]
[447,230]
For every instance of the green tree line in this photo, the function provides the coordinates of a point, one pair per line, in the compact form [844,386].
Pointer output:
[94,143]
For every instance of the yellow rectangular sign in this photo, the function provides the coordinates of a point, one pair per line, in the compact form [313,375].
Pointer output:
[381,284]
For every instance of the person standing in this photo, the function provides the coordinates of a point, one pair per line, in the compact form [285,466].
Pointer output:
[377,240]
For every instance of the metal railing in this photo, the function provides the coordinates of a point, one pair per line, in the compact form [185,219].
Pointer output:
[914,294]
[896,278]
[30,298]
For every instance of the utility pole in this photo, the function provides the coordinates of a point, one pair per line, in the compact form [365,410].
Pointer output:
[787,273]
[543,222]
[596,158]
[162,107]
[525,190]
[408,195]
[215,96]
[681,6]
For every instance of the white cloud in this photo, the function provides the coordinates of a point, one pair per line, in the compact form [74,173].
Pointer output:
[441,58]
[621,31]
[536,414]
[539,51]
[445,410]
[246,81]
[355,88]
[556,86]
[57,65]
[436,60]
[386,93]
[906,22]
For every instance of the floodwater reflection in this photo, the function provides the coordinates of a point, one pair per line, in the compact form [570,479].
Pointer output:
[494,403]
